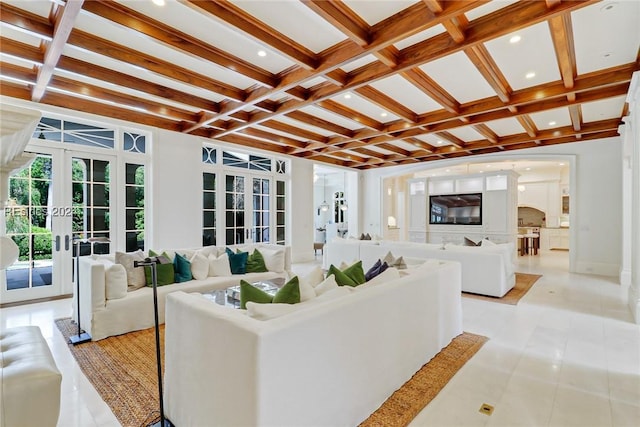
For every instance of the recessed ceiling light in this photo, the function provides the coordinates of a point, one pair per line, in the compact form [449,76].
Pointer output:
[488,166]
[383,114]
[262,53]
[515,39]
[448,170]
[527,169]
[439,142]
[530,75]
[481,171]
[347,96]
[158,2]
[552,123]
[561,164]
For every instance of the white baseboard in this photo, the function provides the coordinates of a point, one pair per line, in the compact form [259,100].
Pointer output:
[597,268]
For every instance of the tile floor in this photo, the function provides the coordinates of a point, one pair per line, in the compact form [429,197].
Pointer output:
[567,355]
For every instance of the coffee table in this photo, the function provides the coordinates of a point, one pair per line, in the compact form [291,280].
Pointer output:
[230,296]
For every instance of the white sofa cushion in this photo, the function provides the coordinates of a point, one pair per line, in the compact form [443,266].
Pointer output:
[273,259]
[199,266]
[135,275]
[326,285]
[388,275]
[115,281]
[219,265]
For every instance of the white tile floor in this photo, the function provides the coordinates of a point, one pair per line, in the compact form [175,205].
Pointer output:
[568,354]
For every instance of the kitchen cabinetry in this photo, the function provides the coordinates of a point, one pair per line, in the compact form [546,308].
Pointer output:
[554,238]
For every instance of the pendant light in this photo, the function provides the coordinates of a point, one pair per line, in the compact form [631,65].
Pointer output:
[344,206]
[324,206]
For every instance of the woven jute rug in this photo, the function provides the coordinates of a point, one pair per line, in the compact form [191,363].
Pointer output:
[524,282]
[123,371]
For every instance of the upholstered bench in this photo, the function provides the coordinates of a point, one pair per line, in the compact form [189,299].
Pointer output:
[29,379]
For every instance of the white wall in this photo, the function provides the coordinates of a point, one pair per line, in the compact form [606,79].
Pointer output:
[595,204]
[302,209]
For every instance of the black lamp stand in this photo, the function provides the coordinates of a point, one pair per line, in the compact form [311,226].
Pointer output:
[152,262]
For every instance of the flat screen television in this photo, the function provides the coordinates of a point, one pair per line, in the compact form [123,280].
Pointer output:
[462,209]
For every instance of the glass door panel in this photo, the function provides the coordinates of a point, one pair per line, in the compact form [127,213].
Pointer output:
[247,222]
[261,210]
[235,210]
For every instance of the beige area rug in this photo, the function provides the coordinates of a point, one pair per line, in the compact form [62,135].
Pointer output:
[524,282]
[123,371]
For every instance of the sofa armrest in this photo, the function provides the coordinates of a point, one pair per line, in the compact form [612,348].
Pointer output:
[92,285]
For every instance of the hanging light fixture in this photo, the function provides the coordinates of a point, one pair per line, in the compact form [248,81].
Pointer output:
[324,206]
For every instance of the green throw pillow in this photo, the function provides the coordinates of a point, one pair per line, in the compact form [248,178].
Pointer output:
[341,278]
[182,268]
[237,262]
[355,273]
[288,294]
[165,272]
[255,263]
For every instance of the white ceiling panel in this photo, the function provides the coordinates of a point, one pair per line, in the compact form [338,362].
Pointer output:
[466,133]
[354,65]
[305,126]
[296,21]
[374,11]
[504,127]
[124,36]
[451,70]
[421,36]
[132,70]
[401,90]
[406,145]
[433,140]
[313,82]
[379,149]
[366,107]
[331,117]
[197,24]
[20,36]
[602,110]
[488,8]
[606,34]
[534,53]
[41,8]
[20,62]
[552,118]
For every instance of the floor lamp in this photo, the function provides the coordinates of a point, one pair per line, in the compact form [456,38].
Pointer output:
[152,263]
[82,337]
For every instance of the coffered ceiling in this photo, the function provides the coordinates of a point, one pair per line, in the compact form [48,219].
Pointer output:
[352,83]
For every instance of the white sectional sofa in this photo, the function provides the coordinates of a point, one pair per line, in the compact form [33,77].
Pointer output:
[103,317]
[327,363]
[486,270]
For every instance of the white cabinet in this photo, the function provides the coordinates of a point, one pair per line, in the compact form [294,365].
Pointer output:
[554,238]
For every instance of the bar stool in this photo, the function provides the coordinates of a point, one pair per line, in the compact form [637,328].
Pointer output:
[532,243]
[521,244]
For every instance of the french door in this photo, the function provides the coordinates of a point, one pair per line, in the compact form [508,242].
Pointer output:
[61,197]
[247,206]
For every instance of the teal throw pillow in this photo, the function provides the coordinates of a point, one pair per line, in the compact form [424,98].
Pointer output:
[288,294]
[341,278]
[182,268]
[255,263]
[165,272]
[237,261]
[355,272]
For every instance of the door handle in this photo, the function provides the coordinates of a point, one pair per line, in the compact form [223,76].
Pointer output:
[66,242]
[58,243]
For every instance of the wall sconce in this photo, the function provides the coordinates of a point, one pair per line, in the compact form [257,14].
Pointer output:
[391,221]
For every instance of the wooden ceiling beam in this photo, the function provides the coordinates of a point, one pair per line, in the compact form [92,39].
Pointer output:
[294,130]
[562,36]
[426,84]
[272,137]
[343,18]
[318,122]
[484,63]
[485,131]
[454,140]
[64,20]
[256,29]
[348,113]
[169,36]
[385,102]
[528,125]
[575,111]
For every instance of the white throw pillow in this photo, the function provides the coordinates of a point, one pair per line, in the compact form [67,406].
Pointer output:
[219,266]
[273,259]
[115,281]
[269,311]
[306,290]
[487,242]
[135,275]
[314,277]
[394,262]
[199,266]
[326,285]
